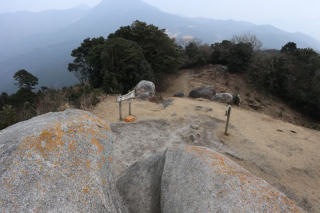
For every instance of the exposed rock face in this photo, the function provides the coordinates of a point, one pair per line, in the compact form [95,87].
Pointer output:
[207,92]
[223,98]
[140,185]
[145,90]
[58,162]
[196,179]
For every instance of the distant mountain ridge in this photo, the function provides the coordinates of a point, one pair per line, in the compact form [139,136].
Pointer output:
[42,43]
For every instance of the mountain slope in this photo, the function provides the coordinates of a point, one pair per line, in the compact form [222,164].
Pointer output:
[105,18]
[22,31]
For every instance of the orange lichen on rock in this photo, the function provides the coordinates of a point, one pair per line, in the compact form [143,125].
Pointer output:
[94,141]
[110,159]
[106,127]
[47,142]
[99,165]
[72,146]
[86,190]
[104,181]
[88,165]
[249,185]
[98,121]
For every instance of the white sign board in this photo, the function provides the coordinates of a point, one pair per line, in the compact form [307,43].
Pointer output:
[130,95]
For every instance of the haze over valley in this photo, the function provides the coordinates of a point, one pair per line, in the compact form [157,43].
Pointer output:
[41,42]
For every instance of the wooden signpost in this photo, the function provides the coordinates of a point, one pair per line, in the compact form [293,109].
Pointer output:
[228,113]
[131,95]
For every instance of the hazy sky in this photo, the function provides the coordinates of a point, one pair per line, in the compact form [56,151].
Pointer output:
[290,15]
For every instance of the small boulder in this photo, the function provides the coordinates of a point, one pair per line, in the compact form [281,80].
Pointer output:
[209,109]
[179,95]
[223,98]
[167,102]
[222,68]
[198,108]
[145,90]
[206,92]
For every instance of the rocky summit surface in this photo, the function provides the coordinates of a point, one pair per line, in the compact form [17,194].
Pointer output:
[63,162]
[197,179]
[58,162]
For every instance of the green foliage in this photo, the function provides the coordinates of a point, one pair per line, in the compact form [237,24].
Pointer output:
[25,80]
[221,52]
[25,104]
[240,57]
[292,74]
[124,65]
[289,48]
[21,96]
[8,116]
[163,54]
[236,56]
[131,54]
[197,54]
[87,63]
[4,98]
[248,38]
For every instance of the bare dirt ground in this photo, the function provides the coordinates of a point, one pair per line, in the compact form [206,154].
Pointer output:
[284,154]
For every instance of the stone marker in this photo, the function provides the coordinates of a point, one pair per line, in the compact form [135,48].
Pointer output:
[145,90]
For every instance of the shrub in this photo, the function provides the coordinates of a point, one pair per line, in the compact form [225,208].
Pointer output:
[236,56]
[8,116]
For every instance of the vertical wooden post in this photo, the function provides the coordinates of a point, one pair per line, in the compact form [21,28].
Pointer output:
[228,113]
[120,111]
[130,107]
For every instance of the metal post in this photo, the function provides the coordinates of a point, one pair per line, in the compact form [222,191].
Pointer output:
[120,111]
[130,107]
[228,113]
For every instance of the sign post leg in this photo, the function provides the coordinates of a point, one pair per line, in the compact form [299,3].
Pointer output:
[228,120]
[120,111]
[130,107]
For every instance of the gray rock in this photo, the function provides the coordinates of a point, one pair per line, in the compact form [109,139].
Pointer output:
[222,68]
[174,114]
[197,179]
[145,90]
[207,92]
[179,94]
[140,185]
[209,109]
[198,108]
[58,162]
[167,102]
[223,98]
[195,127]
